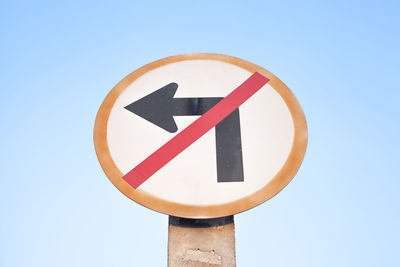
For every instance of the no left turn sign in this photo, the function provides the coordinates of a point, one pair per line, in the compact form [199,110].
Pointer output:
[200,135]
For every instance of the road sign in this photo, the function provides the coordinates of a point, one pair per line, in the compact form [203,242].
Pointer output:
[200,135]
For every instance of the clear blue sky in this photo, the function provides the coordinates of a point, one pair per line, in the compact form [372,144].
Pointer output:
[59,60]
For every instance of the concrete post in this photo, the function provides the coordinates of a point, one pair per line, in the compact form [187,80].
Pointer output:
[201,242]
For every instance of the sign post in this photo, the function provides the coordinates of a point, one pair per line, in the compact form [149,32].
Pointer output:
[201,242]
[200,137]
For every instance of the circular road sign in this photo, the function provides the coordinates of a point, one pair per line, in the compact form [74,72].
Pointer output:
[200,135]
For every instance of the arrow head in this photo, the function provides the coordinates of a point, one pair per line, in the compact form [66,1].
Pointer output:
[157,107]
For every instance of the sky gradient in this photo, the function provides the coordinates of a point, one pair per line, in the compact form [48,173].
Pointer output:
[59,60]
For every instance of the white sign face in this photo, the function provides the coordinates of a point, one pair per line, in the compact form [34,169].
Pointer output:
[200,135]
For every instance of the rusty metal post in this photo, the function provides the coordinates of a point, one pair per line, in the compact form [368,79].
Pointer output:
[201,242]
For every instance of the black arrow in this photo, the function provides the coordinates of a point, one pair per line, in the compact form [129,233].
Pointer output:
[159,108]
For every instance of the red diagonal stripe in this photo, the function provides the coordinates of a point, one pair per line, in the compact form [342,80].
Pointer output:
[194,131]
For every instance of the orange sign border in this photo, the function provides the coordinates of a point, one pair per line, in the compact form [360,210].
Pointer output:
[281,179]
